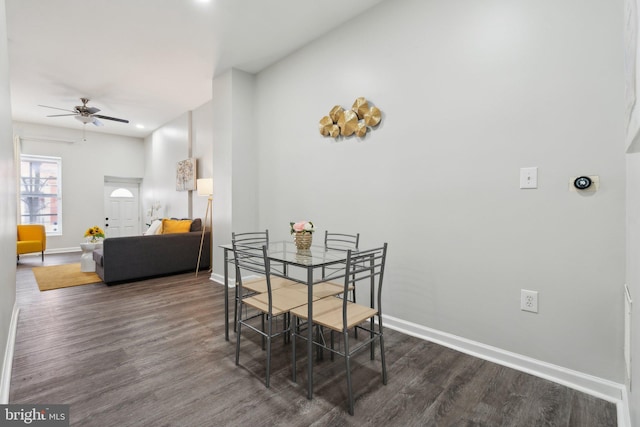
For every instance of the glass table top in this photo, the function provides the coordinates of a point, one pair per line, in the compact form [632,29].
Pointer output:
[315,256]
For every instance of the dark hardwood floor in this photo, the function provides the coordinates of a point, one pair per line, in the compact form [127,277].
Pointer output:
[152,353]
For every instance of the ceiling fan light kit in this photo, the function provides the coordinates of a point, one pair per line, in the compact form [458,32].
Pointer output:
[85,114]
[84,119]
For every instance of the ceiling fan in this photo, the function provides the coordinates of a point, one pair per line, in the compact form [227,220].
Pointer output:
[85,114]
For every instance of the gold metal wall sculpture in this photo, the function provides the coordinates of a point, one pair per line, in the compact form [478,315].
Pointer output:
[356,121]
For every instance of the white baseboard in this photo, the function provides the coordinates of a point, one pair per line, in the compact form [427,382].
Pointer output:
[62,250]
[52,251]
[595,386]
[624,413]
[218,278]
[5,375]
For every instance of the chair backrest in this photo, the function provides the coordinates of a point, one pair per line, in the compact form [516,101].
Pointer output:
[252,238]
[368,266]
[341,240]
[250,255]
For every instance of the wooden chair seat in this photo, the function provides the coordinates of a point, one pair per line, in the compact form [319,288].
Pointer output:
[328,312]
[282,300]
[320,290]
[259,285]
[329,289]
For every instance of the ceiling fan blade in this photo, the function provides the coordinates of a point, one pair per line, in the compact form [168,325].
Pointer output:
[97,122]
[56,108]
[60,115]
[111,118]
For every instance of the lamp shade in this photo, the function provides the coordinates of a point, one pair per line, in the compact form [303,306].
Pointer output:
[205,186]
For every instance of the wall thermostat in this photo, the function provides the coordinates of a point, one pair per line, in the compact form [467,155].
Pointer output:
[582,182]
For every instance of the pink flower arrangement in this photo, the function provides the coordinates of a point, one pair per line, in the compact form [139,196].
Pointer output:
[302,227]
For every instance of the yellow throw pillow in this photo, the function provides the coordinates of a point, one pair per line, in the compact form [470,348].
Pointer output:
[171,226]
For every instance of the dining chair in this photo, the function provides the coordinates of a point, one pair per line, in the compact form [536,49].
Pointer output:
[341,315]
[267,305]
[254,240]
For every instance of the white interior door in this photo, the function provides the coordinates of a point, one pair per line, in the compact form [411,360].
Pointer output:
[122,209]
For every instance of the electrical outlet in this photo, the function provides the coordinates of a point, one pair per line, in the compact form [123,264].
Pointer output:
[529,300]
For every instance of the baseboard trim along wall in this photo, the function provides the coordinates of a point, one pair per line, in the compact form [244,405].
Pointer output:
[5,377]
[219,279]
[595,386]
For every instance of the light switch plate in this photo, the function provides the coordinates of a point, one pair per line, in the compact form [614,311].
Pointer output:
[529,177]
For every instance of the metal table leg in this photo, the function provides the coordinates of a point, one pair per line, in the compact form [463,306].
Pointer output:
[226,294]
[310,333]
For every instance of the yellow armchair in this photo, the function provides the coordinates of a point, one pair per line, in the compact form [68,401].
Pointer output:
[31,238]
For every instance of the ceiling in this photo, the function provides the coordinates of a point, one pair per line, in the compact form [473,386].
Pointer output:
[149,61]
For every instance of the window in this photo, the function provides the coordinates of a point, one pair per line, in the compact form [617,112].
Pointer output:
[41,192]
[121,192]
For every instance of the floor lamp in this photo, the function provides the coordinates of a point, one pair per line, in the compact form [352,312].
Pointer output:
[205,188]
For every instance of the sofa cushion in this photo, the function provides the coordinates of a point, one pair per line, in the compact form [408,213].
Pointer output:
[196,225]
[155,226]
[171,226]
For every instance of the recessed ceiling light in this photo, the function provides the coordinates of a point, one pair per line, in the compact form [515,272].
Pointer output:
[139,126]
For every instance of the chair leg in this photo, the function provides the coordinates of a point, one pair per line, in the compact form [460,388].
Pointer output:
[319,338]
[239,324]
[269,331]
[235,309]
[347,358]
[372,326]
[263,338]
[384,365]
[353,298]
[286,319]
[42,256]
[332,346]
[294,322]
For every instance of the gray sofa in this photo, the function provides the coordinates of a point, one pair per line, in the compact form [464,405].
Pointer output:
[124,259]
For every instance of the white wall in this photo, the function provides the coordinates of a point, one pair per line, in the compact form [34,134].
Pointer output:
[164,148]
[202,150]
[470,93]
[7,214]
[235,160]
[245,154]
[84,167]
[633,275]
[222,165]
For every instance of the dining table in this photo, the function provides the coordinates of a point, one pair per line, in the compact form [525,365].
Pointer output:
[299,265]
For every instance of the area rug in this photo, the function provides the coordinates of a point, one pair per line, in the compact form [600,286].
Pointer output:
[63,276]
